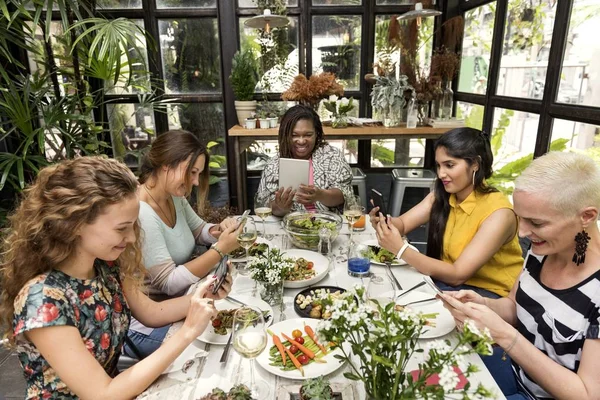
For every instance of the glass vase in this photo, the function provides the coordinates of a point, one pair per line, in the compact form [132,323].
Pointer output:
[446,101]
[339,121]
[392,116]
[271,293]
[422,112]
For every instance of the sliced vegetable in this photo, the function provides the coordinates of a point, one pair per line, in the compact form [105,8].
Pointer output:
[311,334]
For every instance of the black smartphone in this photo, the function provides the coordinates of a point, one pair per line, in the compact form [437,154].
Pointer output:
[221,273]
[378,201]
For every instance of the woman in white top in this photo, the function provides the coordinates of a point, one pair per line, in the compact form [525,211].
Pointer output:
[171,229]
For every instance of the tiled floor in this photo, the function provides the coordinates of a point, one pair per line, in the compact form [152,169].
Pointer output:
[12,383]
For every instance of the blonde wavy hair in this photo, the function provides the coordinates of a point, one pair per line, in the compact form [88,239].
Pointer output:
[63,198]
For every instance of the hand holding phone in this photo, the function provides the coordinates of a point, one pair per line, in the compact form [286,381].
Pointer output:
[378,201]
[243,218]
[221,273]
[432,286]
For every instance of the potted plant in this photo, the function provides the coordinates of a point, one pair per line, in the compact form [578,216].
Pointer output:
[250,122]
[377,341]
[316,389]
[263,120]
[388,98]
[310,91]
[243,80]
[339,109]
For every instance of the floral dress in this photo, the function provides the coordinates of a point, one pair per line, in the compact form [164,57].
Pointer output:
[96,307]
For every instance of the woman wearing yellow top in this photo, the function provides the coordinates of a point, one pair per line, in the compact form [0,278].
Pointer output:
[472,241]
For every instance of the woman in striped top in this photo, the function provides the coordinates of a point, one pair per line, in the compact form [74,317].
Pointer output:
[549,323]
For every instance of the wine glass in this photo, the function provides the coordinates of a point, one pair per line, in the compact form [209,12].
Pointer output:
[353,210]
[249,340]
[262,208]
[382,289]
[246,239]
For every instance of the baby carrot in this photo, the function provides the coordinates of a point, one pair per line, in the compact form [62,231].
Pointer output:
[280,347]
[311,334]
[303,349]
[295,361]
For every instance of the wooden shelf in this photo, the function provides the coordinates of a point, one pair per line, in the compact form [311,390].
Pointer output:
[349,131]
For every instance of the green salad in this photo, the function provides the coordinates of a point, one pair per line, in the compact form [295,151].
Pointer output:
[380,255]
[257,249]
[313,223]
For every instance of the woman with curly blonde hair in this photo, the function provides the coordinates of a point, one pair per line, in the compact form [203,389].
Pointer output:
[71,278]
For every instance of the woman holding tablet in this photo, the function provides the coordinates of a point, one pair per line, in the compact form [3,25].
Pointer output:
[301,137]
[472,240]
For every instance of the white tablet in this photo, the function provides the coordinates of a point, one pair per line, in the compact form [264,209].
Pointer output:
[293,172]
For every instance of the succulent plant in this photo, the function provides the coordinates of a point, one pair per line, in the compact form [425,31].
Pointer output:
[239,392]
[316,389]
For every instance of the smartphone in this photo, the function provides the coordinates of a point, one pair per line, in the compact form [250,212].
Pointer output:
[378,201]
[221,273]
[243,218]
[432,285]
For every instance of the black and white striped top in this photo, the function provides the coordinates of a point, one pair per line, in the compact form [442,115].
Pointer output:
[556,321]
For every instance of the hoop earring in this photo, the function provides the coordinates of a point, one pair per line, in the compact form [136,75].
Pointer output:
[581,243]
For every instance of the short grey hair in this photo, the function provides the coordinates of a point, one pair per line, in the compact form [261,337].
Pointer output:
[569,181]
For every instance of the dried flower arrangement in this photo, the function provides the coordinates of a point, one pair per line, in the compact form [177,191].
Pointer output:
[310,91]
[444,64]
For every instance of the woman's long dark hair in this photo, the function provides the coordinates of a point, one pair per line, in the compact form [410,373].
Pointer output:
[288,122]
[172,148]
[473,146]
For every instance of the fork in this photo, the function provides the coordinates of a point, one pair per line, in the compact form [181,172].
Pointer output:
[390,274]
[228,345]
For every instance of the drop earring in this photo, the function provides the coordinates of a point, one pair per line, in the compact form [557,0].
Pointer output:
[581,243]
[474,178]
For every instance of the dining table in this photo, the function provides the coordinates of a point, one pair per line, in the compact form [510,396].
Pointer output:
[199,369]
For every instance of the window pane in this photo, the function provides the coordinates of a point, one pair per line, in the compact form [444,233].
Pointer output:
[393,2]
[336,48]
[119,4]
[139,74]
[337,2]
[132,130]
[186,3]
[579,81]
[387,55]
[190,55]
[281,54]
[476,50]
[513,138]
[206,121]
[526,48]
[571,135]
[397,152]
[471,113]
[259,153]
[349,149]
[252,3]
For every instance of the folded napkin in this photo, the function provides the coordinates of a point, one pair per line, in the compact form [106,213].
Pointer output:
[435,378]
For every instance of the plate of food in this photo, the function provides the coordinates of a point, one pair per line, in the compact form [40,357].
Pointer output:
[261,246]
[310,302]
[309,268]
[378,255]
[218,332]
[305,350]
[439,320]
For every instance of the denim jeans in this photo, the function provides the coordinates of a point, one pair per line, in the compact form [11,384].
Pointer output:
[483,292]
[504,375]
[145,344]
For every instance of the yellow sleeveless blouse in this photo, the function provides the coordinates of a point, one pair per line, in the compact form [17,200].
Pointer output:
[499,274]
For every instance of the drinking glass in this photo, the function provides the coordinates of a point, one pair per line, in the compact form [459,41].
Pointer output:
[359,263]
[353,210]
[246,239]
[249,340]
[262,208]
[382,289]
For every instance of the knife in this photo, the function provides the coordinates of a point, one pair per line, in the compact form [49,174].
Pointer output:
[418,301]
[418,285]
[391,274]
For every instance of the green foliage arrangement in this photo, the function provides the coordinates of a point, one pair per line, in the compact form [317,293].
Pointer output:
[316,389]
[244,75]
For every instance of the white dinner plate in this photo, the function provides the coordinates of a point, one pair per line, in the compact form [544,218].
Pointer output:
[444,322]
[209,335]
[373,242]
[311,370]
[258,240]
[321,267]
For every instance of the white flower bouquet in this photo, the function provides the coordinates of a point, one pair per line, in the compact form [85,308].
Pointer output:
[384,338]
[270,267]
